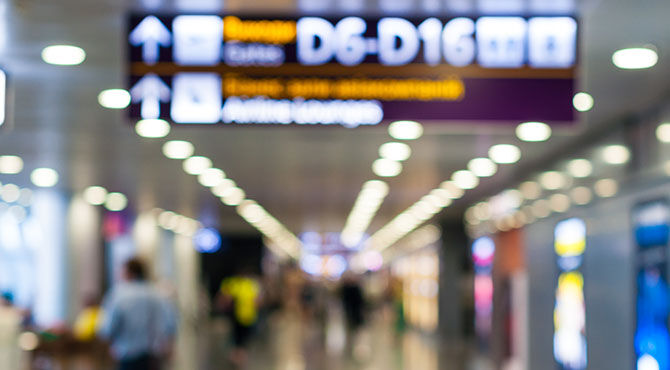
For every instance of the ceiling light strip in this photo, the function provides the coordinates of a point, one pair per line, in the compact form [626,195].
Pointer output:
[366,206]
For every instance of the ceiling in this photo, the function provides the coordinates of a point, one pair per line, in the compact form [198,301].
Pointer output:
[306,177]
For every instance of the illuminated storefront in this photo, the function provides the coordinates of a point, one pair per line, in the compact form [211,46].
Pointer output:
[652,230]
[483,252]
[419,275]
[569,310]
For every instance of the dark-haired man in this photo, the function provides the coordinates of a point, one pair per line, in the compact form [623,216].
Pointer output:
[139,323]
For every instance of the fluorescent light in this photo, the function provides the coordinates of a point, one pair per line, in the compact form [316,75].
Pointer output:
[663,132]
[152,128]
[10,164]
[44,177]
[540,208]
[178,149]
[559,202]
[10,193]
[455,192]
[581,195]
[405,130]
[606,188]
[95,195]
[116,202]
[211,177]
[580,168]
[582,101]
[220,189]
[552,180]
[530,190]
[386,168]
[533,131]
[196,165]
[482,167]
[114,98]
[505,153]
[63,55]
[616,154]
[635,58]
[233,197]
[395,151]
[465,179]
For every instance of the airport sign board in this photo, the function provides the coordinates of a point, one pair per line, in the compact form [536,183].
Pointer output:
[351,71]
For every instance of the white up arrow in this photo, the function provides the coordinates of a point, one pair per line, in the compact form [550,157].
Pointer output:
[150,90]
[150,33]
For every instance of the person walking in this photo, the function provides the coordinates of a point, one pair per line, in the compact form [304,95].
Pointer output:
[138,322]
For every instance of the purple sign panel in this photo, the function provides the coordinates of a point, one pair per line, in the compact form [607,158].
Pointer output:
[229,70]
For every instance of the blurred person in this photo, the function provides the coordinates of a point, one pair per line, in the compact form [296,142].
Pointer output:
[88,320]
[353,304]
[138,322]
[10,328]
[241,295]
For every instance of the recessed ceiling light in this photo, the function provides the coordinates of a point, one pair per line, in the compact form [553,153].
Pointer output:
[606,188]
[95,195]
[114,98]
[63,55]
[196,165]
[530,190]
[152,128]
[505,153]
[405,130]
[455,192]
[559,202]
[616,154]
[635,58]
[552,180]
[582,102]
[10,164]
[663,132]
[386,168]
[540,208]
[465,179]
[211,177]
[233,197]
[10,193]
[220,189]
[395,151]
[581,195]
[116,202]
[482,167]
[178,149]
[44,177]
[533,131]
[580,168]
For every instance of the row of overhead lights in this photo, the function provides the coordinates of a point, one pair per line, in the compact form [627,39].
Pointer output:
[629,58]
[42,177]
[461,180]
[373,193]
[99,196]
[392,154]
[232,195]
[367,203]
[200,166]
[15,200]
[505,211]
[176,223]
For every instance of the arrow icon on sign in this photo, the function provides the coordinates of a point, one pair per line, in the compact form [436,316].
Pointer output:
[150,90]
[151,33]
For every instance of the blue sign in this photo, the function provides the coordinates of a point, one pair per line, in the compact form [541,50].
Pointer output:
[652,230]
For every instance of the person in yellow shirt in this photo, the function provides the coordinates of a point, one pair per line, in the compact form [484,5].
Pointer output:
[87,322]
[241,296]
